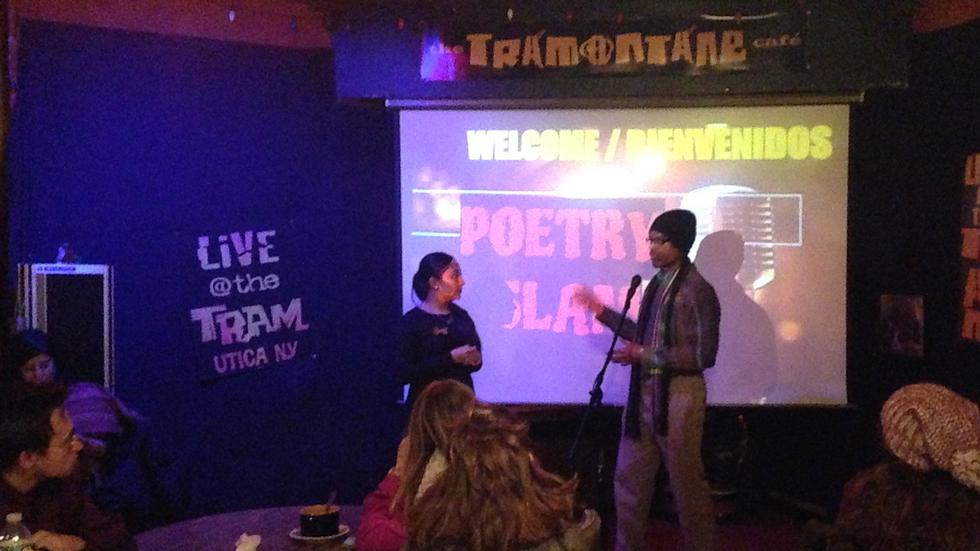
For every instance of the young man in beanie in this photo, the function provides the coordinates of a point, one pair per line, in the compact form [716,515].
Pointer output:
[38,453]
[673,341]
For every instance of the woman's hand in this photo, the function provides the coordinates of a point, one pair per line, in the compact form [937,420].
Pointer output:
[467,355]
[586,297]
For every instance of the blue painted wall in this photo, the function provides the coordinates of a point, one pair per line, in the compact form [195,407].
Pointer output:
[130,146]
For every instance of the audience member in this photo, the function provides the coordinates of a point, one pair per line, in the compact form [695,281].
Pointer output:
[121,465]
[421,459]
[29,358]
[929,498]
[494,496]
[38,451]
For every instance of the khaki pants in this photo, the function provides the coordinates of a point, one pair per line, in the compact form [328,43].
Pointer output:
[639,460]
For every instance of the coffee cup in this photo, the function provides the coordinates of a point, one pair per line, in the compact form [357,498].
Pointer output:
[317,521]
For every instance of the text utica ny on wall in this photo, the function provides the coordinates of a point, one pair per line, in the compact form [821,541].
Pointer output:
[254,324]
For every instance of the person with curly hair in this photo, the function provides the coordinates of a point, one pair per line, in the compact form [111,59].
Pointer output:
[421,459]
[495,496]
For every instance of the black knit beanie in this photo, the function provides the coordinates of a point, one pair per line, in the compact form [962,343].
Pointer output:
[678,226]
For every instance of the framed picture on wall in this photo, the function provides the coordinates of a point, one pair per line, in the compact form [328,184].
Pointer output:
[901,324]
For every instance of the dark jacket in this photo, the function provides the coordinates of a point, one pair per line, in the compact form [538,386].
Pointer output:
[692,318]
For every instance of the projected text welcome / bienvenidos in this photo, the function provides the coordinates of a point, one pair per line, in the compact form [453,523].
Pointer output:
[708,143]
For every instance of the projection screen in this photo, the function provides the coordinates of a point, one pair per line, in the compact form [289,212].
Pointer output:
[536,202]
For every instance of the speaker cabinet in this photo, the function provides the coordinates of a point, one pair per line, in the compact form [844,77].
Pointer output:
[73,304]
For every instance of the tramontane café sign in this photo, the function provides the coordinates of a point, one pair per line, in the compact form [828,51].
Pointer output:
[702,45]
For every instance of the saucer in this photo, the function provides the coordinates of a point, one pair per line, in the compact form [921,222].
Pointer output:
[296,535]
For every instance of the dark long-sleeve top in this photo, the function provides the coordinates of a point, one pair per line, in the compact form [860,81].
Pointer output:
[60,506]
[426,342]
[693,317]
[137,479]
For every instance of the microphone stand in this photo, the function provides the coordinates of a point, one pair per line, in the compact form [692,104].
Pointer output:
[596,393]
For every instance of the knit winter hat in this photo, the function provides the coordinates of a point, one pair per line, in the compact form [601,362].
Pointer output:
[678,226]
[26,345]
[931,427]
[94,411]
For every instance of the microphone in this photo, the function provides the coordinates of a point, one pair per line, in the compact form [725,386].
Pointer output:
[634,285]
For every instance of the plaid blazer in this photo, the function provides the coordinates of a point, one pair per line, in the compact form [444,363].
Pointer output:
[690,335]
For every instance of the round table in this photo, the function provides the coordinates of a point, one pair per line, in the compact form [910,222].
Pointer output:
[220,532]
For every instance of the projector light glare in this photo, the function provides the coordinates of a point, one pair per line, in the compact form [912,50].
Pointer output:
[789,331]
[651,165]
[448,210]
[599,182]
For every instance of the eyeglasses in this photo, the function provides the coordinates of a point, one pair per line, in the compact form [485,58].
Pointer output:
[69,440]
